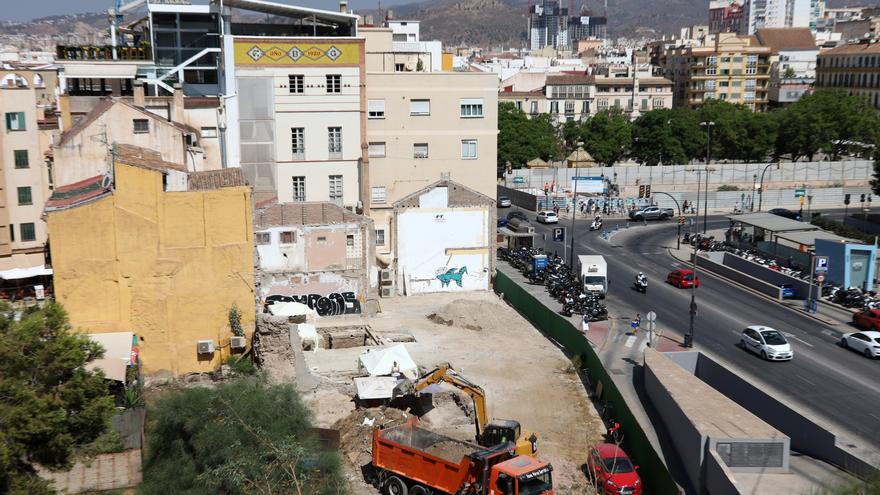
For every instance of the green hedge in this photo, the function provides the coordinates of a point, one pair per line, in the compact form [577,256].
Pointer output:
[842,229]
[651,467]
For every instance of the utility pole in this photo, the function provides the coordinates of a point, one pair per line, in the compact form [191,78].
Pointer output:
[689,336]
[574,210]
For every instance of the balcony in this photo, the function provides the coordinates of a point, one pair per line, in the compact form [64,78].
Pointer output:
[103,53]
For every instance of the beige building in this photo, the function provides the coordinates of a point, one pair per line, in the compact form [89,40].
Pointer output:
[854,68]
[725,66]
[27,103]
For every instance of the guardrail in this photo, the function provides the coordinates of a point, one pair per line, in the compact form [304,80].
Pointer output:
[652,469]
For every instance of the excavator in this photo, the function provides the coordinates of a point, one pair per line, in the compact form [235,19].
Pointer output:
[489,433]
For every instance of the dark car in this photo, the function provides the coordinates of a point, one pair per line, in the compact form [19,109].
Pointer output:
[782,212]
[502,222]
[517,214]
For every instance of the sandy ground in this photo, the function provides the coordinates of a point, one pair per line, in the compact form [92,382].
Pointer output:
[524,375]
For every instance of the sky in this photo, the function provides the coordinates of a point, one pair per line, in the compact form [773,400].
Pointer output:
[23,11]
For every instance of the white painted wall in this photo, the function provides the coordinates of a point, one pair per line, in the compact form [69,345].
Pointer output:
[275,256]
[424,235]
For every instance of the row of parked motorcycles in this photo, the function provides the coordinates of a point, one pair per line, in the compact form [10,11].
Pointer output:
[559,281]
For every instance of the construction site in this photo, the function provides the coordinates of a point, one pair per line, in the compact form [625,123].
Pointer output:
[472,372]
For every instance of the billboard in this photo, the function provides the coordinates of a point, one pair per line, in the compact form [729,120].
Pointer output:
[588,185]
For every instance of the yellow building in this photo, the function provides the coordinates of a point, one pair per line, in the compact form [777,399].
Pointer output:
[159,252]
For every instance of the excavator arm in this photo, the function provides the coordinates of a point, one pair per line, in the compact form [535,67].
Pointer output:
[445,374]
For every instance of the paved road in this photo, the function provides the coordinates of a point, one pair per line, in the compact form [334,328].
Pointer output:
[839,386]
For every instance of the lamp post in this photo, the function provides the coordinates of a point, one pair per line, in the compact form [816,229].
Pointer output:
[761,189]
[754,186]
[708,125]
[689,336]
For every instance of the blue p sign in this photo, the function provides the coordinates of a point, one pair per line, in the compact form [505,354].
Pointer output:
[559,234]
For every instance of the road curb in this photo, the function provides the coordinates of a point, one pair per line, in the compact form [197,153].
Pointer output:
[765,296]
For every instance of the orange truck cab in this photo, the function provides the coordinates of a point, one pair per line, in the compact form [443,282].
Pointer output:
[415,461]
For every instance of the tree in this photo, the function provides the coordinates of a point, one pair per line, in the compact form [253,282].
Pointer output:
[608,136]
[521,139]
[728,135]
[759,138]
[655,140]
[51,404]
[875,182]
[241,437]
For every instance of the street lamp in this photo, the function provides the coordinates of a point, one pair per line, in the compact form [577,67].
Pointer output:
[761,189]
[708,125]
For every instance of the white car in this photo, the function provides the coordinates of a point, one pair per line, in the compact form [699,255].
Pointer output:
[868,343]
[503,202]
[767,343]
[547,216]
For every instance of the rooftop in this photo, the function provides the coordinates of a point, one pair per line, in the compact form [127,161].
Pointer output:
[77,193]
[787,39]
[307,213]
[854,48]
[771,222]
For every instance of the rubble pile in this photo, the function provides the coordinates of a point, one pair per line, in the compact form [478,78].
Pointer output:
[356,434]
[464,313]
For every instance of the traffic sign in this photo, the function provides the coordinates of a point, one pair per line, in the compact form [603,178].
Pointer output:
[682,220]
[651,316]
[578,177]
[650,326]
[820,278]
[800,192]
[821,264]
[519,179]
[559,234]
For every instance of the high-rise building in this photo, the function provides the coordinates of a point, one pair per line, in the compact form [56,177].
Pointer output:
[747,16]
[552,25]
[725,16]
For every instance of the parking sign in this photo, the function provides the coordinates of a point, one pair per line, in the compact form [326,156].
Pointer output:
[821,264]
[559,234]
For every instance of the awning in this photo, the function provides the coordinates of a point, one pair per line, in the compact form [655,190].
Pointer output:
[21,273]
[97,70]
[510,233]
[117,354]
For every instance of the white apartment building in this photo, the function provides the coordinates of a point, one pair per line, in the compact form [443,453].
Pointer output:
[759,14]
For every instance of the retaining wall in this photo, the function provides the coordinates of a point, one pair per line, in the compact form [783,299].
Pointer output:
[519,198]
[772,277]
[652,469]
[717,267]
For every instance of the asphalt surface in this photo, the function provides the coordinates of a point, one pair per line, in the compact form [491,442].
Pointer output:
[834,385]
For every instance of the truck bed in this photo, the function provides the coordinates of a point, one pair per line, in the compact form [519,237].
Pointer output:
[428,442]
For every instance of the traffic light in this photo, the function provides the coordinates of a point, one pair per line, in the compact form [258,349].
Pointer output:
[863,199]
[648,191]
[869,198]
[846,199]
[642,191]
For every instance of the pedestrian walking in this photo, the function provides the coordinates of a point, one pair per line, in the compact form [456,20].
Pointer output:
[585,324]
[684,206]
[636,323]
[556,209]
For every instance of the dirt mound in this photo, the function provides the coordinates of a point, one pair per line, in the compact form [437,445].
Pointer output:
[465,313]
[356,438]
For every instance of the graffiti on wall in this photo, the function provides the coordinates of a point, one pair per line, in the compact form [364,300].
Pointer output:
[334,304]
[451,275]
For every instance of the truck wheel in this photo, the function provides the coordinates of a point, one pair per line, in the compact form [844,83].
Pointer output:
[419,490]
[395,486]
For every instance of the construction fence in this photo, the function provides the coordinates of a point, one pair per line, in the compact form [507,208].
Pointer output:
[652,469]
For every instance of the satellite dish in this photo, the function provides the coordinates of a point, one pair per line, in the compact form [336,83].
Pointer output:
[106,181]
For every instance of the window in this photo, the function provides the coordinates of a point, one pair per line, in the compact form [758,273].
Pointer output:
[376,109]
[11,232]
[399,68]
[736,84]
[724,84]
[335,189]
[377,194]
[288,237]
[724,60]
[569,107]
[617,103]
[710,71]
[468,149]
[712,60]
[658,102]
[644,104]
[28,233]
[554,107]
[334,141]
[519,105]
[420,150]
[24,196]
[750,95]
[534,107]
[710,85]
[209,132]
[141,126]
[376,150]
[602,104]
[420,107]
[334,83]
[21,158]
[15,121]
[299,188]
[295,83]
[263,238]
[751,70]
[472,108]
[750,84]
[349,240]
[380,237]
[298,143]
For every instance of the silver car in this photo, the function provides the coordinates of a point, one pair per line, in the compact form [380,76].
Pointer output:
[767,343]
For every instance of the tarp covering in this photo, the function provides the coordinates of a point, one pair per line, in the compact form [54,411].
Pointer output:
[378,362]
[375,387]
[117,354]
[20,273]
[290,309]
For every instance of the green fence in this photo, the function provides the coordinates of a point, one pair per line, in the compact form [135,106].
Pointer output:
[651,467]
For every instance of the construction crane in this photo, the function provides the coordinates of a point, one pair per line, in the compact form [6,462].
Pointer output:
[489,433]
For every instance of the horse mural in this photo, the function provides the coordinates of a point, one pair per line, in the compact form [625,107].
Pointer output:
[452,275]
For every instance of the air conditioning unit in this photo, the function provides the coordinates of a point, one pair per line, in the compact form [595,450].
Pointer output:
[386,275]
[205,346]
[237,342]
[386,291]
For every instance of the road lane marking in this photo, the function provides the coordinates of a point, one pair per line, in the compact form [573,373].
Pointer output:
[794,337]
[875,416]
[630,341]
[808,381]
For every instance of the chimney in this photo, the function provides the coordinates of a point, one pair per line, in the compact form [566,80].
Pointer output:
[177,105]
[343,6]
[139,99]
[64,110]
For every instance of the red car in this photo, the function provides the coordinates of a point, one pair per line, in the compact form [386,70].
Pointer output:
[683,278]
[612,470]
[868,319]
